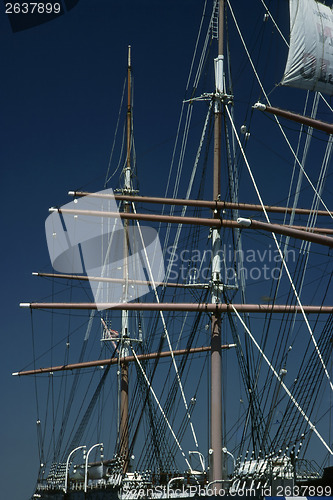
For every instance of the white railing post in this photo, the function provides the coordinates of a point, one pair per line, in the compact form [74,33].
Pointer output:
[67,464]
[171,480]
[86,465]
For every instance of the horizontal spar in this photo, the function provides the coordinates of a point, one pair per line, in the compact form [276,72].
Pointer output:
[299,234]
[146,217]
[304,120]
[110,280]
[136,306]
[125,359]
[250,224]
[219,205]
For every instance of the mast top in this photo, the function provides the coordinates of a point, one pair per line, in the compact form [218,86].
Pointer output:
[129,56]
[220,27]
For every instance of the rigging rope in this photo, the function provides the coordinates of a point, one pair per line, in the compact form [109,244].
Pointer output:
[107,178]
[160,408]
[276,118]
[282,256]
[311,425]
[151,278]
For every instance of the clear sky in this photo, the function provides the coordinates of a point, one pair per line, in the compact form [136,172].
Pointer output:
[61,84]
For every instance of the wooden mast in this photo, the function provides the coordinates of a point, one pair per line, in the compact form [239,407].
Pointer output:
[123,427]
[215,452]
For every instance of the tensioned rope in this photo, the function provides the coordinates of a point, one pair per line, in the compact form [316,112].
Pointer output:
[161,409]
[274,22]
[312,426]
[165,329]
[287,44]
[276,118]
[107,178]
[188,193]
[283,260]
[188,116]
[188,119]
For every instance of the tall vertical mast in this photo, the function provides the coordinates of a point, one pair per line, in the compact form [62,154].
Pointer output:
[129,122]
[216,467]
[123,431]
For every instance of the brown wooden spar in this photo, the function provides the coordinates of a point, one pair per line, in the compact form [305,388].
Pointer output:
[304,120]
[218,205]
[116,361]
[181,306]
[318,230]
[109,280]
[300,234]
[305,235]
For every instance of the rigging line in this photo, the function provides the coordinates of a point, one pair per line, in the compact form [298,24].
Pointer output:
[160,408]
[74,385]
[114,140]
[188,193]
[40,439]
[300,276]
[234,189]
[286,332]
[302,168]
[196,44]
[153,430]
[320,183]
[304,158]
[172,393]
[182,152]
[312,219]
[204,49]
[239,253]
[276,118]
[275,24]
[165,329]
[186,128]
[318,407]
[52,381]
[180,164]
[304,388]
[249,382]
[174,153]
[87,414]
[326,102]
[298,190]
[311,425]
[64,379]
[196,80]
[281,254]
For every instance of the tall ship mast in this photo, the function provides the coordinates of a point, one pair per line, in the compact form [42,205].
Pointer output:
[202,297]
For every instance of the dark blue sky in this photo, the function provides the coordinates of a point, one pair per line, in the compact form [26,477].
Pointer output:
[61,85]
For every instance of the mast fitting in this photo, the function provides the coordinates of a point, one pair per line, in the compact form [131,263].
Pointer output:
[242,221]
[260,106]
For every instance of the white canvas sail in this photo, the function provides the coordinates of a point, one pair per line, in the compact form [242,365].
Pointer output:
[310,59]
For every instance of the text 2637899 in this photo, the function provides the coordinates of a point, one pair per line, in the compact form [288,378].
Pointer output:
[303,491]
[32,8]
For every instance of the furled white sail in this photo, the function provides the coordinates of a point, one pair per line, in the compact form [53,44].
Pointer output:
[310,59]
